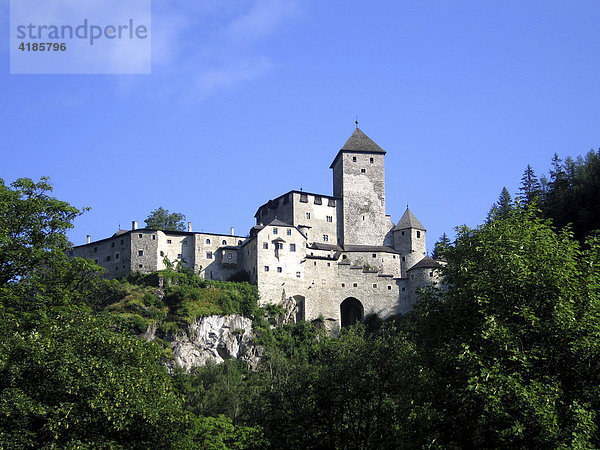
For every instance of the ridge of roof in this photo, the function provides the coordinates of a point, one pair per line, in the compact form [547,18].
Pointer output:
[359,142]
[426,263]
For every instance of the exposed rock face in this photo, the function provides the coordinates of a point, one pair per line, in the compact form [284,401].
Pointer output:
[214,339]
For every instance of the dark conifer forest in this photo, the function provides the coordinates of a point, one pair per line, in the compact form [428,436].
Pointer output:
[506,353]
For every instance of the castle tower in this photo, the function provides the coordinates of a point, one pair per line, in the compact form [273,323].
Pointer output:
[409,240]
[359,180]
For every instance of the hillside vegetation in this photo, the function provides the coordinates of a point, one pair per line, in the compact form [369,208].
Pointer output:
[507,355]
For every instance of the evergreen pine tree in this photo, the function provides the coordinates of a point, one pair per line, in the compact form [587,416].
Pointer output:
[531,188]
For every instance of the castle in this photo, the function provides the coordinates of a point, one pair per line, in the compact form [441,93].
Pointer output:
[339,257]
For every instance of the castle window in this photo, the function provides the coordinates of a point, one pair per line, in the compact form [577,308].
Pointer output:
[229,255]
[322,280]
[298,274]
[162,253]
[374,255]
[431,274]
[418,234]
[404,258]
[288,232]
[265,245]
[116,256]
[179,256]
[275,231]
[169,241]
[343,284]
[108,258]
[344,256]
[308,215]
[371,160]
[354,284]
[329,218]
[279,246]
[303,198]
[314,263]
[153,238]
[325,238]
[318,200]
[140,252]
[279,270]
[266,268]
[389,288]
[328,264]
[363,170]
[96,261]
[393,256]
[224,242]
[354,159]
[208,241]
[140,265]
[374,286]
[140,235]
[239,242]
[209,255]
[403,289]
[292,247]
[331,202]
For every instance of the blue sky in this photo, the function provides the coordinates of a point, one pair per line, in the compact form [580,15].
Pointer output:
[250,99]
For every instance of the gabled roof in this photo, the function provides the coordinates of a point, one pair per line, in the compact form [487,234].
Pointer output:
[326,247]
[426,263]
[278,223]
[409,220]
[359,142]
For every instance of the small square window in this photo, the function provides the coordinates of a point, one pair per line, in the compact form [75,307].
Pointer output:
[308,215]
[374,255]
[279,270]
[314,263]
[328,264]
[403,289]
[363,170]
[229,255]
[288,232]
[430,274]
[153,237]
[140,252]
[303,198]
[116,256]
[275,230]
[325,238]
[404,258]
[403,233]
[374,286]
[140,235]
[371,160]
[208,241]
[292,247]
[329,218]
[209,255]
[140,265]
[354,159]
[224,242]
[162,253]
[331,202]
[343,284]
[354,284]
[418,234]
[266,268]
[389,288]
[318,200]
[298,274]
[279,245]
[265,245]
[169,241]
[108,258]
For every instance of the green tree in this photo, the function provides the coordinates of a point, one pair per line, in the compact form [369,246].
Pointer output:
[512,343]
[531,188]
[502,207]
[162,219]
[440,246]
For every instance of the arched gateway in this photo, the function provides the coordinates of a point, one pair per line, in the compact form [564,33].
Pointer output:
[351,311]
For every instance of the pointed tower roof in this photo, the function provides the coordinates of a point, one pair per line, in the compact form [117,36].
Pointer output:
[426,263]
[409,220]
[359,142]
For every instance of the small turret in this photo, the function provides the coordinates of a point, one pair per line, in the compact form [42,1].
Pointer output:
[409,240]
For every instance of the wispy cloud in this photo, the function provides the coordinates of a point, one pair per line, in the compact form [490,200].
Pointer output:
[214,46]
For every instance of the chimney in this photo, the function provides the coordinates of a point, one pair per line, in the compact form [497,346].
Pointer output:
[189,226]
[232,231]
[88,238]
[134,225]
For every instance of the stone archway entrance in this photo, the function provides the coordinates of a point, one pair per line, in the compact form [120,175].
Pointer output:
[351,311]
[300,308]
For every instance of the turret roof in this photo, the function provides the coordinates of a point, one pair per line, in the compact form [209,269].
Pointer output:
[359,142]
[409,220]
[426,263]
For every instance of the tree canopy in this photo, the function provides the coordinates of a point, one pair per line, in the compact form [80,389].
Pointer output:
[162,219]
